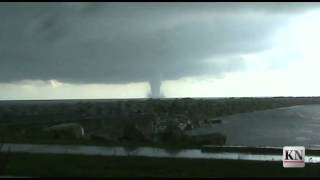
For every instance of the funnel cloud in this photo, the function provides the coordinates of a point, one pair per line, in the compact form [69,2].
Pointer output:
[155,87]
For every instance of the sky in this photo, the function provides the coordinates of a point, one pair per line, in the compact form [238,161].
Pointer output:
[138,50]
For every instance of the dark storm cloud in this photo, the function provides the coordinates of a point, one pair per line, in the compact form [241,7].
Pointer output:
[132,42]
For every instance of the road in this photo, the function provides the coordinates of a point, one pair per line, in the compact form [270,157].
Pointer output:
[143,151]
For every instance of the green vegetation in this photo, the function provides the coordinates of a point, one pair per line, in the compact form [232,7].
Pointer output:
[132,138]
[127,122]
[4,160]
[116,112]
[48,165]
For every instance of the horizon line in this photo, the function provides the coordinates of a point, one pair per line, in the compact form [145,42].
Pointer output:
[53,99]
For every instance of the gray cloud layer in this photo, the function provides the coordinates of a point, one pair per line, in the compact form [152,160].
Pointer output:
[133,42]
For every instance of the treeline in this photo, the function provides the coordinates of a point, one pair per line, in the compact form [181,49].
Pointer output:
[139,109]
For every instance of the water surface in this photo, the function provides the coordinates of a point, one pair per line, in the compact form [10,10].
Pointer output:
[297,125]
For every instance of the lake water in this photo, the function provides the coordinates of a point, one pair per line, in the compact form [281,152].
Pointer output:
[297,125]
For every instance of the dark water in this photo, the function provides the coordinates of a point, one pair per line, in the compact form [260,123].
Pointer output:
[297,125]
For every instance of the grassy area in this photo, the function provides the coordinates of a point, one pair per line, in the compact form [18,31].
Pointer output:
[170,140]
[91,142]
[48,165]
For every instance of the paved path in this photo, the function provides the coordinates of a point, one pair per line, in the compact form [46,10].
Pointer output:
[142,151]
